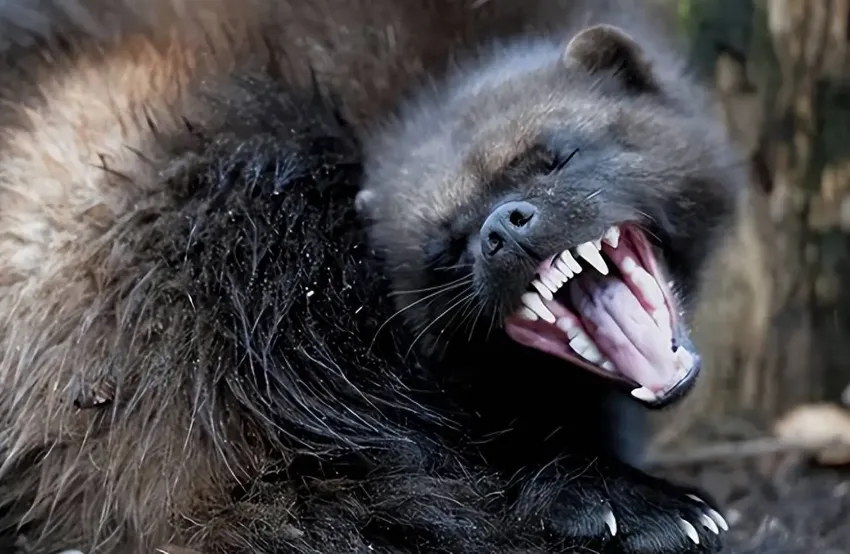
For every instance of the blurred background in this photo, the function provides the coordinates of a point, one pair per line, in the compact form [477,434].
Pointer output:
[766,430]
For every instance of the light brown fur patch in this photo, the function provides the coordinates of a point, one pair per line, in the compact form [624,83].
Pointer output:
[68,178]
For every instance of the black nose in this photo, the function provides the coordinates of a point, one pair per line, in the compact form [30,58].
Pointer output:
[510,223]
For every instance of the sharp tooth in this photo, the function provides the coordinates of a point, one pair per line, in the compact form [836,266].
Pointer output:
[591,354]
[542,289]
[560,277]
[644,394]
[569,326]
[547,280]
[567,258]
[612,237]
[609,365]
[534,302]
[644,281]
[580,343]
[593,257]
[527,314]
[564,268]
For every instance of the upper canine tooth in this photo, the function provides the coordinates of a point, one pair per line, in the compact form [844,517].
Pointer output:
[542,289]
[593,257]
[532,300]
[571,262]
[612,237]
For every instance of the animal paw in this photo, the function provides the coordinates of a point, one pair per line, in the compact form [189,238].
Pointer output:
[635,514]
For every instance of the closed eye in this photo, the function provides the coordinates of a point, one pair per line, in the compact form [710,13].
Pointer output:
[560,162]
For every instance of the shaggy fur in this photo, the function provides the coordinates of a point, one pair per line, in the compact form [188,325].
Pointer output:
[190,351]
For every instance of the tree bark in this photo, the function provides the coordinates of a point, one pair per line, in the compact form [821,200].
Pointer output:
[773,322]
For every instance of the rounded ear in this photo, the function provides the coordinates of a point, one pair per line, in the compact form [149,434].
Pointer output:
[608,48]
[363,204]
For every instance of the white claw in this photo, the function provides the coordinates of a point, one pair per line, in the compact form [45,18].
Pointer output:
[709,524]
[611,522]
[644,394]
[689,530]
[712,513]
[718,519]
[589,252]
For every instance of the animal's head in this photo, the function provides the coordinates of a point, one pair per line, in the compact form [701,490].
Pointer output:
[568,195]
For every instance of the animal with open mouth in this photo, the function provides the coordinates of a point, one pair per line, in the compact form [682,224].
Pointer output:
[189,347]
[618,318]
[545,216]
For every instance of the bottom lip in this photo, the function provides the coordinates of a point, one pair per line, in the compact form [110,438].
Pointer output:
[617,327]
[671,393]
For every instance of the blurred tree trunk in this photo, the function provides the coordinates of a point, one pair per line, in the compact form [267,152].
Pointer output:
[776,324]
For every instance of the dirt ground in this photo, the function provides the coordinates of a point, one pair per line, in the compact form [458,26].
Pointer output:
[776,504]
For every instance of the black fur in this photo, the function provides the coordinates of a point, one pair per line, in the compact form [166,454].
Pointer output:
[596,134]
[252,297]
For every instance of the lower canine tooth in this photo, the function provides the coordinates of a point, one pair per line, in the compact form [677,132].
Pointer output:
[644,394]
[527,314]
[593,257]
[532,300]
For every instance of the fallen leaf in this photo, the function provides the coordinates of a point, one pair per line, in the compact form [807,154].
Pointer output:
[823,427]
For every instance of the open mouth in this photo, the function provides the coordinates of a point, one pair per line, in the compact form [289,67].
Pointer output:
[605,306]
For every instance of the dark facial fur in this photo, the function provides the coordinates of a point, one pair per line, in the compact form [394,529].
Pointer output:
[190,354]
[586,136]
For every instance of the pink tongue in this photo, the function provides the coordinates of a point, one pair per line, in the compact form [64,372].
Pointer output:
[623,330]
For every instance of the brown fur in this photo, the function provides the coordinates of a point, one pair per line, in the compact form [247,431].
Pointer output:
[75,173]
[104,446]
[71,182]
